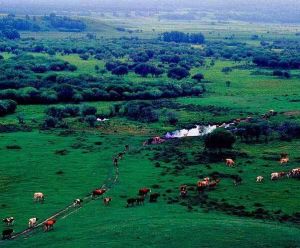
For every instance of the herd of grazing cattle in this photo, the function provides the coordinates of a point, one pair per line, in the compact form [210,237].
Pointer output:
[206,183]
[140,200]
[48,225]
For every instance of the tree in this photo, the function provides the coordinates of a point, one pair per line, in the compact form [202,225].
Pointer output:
[50,122]
[228,83]
[21,118]
[11,34]
[141,111]
[172,118]
[219,139]
[143,69]
[91,120]
[65,92]
[178,73]
[88,110]
[120,70]
[91,36]
[84,56]
[176,36]
[7,107]
[198,77]
[226,70]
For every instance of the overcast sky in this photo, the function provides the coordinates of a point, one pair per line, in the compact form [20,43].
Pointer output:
[275,7]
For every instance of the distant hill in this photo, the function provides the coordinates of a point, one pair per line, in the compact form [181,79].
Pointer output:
[43,23]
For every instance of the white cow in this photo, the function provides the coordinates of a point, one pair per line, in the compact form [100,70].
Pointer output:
[259,179]
[277,175]
[284,160]
[32,222]
[38,197]
[229,162]
[77,202]
[296,171]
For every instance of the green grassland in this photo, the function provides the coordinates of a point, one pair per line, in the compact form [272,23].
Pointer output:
[67,165]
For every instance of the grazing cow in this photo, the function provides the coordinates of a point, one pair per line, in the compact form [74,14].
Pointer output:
[115,161]
[144,191]
[183,191]
[153,197]
[98,192]
[107,200]
[130,202]
[77,202]
[237,180]
[6,234]
[284,160]
[126,147]
[213,184]
[48,225]
[9,221]
[140,200]
[294,172]
[183,188]
[277,175]
[32,222]
[229,162]
[259,179]
[201,185]
[120,155]
[38,197]
[207,179]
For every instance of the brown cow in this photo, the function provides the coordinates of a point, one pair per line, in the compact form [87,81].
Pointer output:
[131,202]
[98,192]
[48,225]
[153,197]
[213,184]
[144,191]
[6,234]
[140,200]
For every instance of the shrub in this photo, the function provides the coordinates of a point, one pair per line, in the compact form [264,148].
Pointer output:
[120,70]
[289,130]
[50,122]
[172,118]
[178,73]
[7,107]
[91,120]
[141,111]
[88,110]
[198,77]
[219,139]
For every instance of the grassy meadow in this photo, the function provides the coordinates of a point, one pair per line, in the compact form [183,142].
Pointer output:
[69,164]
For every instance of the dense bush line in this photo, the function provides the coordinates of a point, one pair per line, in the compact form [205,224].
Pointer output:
[176,36]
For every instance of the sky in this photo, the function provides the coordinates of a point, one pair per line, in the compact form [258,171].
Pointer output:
[284,9]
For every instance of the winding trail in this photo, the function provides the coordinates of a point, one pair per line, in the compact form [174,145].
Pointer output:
[108,184]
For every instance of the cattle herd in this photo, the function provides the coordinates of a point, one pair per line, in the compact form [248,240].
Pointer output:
[205,184]
[48,224]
